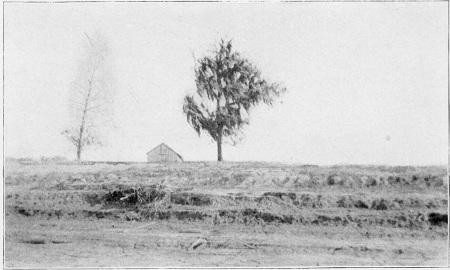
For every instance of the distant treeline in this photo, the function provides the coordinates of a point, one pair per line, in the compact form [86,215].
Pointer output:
[61,160]
[54,159]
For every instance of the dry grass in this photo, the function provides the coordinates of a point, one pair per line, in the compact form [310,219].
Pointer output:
[343,213]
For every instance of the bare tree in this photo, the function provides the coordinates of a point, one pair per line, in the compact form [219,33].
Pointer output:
[91,95]
[228,86]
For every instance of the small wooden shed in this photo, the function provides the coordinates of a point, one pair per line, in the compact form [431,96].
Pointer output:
[163,153]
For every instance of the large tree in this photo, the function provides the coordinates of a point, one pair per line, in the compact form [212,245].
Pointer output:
[91,95]
[228,86]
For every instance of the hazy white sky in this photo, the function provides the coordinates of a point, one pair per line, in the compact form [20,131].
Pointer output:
[367,82]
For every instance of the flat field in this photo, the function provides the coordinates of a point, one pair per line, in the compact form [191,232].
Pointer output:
[229,214]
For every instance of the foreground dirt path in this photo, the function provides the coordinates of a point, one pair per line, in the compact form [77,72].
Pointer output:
[39,242]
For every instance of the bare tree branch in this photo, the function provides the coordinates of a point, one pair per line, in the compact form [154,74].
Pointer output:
[88,39]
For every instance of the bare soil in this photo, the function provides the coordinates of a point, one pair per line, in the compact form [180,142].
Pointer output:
[230,214]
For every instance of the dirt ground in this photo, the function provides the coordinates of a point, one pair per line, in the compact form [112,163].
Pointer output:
[232,214]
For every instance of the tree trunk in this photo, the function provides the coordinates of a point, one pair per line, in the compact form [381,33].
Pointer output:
[83,119]
[219,131]
[219,147]
[78,152]
[80,139]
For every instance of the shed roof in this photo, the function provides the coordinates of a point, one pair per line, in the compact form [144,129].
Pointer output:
[167,147]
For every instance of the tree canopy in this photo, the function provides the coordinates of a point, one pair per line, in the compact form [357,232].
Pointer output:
[228,86]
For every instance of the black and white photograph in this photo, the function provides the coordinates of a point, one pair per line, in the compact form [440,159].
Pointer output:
[218,134]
